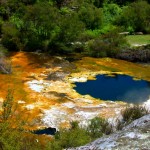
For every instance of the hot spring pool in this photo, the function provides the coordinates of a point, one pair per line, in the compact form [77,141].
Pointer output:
[117,87]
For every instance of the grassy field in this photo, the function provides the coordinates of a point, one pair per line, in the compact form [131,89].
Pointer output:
[135,40]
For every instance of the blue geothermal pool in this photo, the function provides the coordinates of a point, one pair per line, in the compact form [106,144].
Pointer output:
[114,88]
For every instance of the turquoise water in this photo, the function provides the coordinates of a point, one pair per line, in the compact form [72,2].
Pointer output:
[118,87]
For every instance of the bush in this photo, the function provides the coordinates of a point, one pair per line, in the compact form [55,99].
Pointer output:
[97,127]
[70,29]
[5,63]
[119,124]
[89,35]
[15,139]
[91,16]
[136,54]
[135,17]
[1,22]
[107,28]
[10,36]
[107,45]
[132,113]
[12,134]
[7,106]
[73,137]
[77,136]
[111,12]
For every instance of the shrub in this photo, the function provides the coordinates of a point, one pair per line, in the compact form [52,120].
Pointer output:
[111,12]
[1,22]
[132,113]
[97,127]
[119,124]
[10,36]
[108,44]
[5,64]
[136,54]
[77,136]
[7,105]
[89,34]
[15,139]
[135,16]
[91,16]
[12,134]
[73,137]
[107,28]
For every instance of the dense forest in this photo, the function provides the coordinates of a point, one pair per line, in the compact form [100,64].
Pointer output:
[66,26]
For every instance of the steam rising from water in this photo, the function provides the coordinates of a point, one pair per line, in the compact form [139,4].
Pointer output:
[147,104]
[118,87]
[139,95]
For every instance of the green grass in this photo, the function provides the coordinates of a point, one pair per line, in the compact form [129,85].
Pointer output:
[138,39]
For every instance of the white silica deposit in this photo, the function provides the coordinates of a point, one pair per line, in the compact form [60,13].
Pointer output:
[54,116]
[78,79]
[69,105]
[37,85]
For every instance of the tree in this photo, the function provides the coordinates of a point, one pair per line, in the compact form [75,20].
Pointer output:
[90,16]
[136,16]
[111,11]
[99,3]
[70,29]
[10,36]
[107,45]
[40,27]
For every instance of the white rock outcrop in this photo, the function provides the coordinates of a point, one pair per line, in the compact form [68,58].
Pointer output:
[135,136]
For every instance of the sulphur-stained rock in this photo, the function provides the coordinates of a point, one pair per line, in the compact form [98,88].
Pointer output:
[30,107]
[135,136]
[21,102]
[1,103]
[1,99]
[80,111]
[56,76]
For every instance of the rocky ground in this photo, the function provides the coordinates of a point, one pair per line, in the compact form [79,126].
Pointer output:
[138,54]
[58,84]
[44,88]
[135,136]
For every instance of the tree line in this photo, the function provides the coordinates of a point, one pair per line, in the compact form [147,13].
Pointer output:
[66,26]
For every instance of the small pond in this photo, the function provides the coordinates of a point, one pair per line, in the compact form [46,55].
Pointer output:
[48,131]
[116,87]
